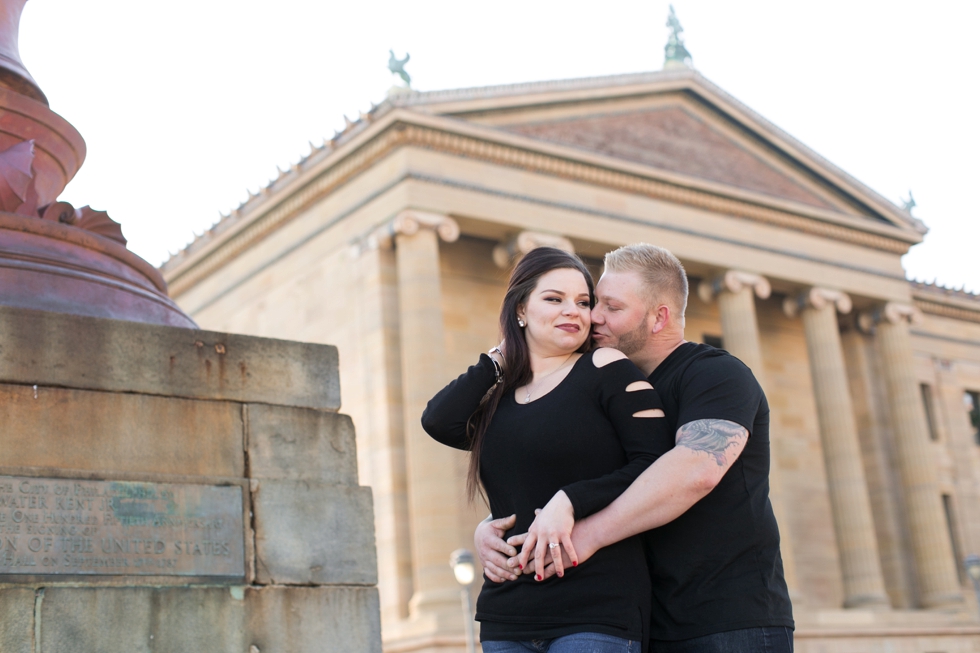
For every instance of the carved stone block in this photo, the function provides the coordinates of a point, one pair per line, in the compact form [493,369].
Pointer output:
[126,619]
[98,354]
[96,431]
[313,533]
[314,619]
[217,620]
[301,444]
[17,623]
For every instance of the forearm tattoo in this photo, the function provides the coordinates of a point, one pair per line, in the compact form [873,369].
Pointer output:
[712,436]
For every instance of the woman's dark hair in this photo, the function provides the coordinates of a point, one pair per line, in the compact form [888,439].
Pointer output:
[517,359]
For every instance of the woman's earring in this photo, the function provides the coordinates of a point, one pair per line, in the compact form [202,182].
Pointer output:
[520,323]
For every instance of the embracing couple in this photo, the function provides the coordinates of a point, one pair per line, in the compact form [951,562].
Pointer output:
[630,466]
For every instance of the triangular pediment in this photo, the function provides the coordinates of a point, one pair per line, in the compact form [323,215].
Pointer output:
[672,122]
[675,139]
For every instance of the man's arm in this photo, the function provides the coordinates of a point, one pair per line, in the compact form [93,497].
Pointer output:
[705,450]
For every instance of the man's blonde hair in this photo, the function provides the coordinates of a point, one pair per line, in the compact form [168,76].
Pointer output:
[663,276]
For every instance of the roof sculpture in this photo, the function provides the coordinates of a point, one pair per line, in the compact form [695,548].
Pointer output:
[676,54]
[909,204]
[397,67]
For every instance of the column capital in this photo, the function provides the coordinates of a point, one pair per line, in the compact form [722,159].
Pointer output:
[890,312]
[409,222]
[734,281]
[509,251]
[818,298]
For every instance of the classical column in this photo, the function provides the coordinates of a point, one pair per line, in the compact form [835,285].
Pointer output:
[432,485]
[509,252]
[736,292]
[864,584]
[935,566]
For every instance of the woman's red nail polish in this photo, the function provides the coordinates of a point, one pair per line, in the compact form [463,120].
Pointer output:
[575,563]
[520,565]
[537,577]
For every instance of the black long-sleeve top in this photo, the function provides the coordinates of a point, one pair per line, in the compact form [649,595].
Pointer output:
[581,438]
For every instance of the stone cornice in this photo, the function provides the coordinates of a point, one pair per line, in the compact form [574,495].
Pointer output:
[401,128]
[943,309]
[946,302]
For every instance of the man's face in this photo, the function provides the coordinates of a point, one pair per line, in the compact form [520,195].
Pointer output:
[619,318]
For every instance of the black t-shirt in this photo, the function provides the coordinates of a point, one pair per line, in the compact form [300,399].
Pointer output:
[581,438]
[717,567]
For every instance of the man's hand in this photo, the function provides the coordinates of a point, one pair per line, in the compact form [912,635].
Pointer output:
[493,551]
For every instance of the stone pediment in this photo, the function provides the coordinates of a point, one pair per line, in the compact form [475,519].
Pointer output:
[676,122]
[675,139]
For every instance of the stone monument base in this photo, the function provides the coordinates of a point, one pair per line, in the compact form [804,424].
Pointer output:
[171,489]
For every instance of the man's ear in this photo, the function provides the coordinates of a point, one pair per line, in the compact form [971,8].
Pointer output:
[659,318]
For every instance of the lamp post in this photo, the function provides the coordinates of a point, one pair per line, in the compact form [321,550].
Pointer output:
[972,564]
[464,570]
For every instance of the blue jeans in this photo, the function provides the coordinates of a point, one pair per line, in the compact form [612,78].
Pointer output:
[748,640]
[577,643]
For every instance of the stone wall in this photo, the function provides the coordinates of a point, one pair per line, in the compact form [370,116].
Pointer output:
[95,403]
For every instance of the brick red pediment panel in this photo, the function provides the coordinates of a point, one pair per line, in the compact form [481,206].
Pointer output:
[671,138]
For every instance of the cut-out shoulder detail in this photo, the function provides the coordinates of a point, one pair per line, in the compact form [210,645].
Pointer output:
[605,355]
[649,412]
[639,385]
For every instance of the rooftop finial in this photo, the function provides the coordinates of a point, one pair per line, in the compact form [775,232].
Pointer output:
[397,67]
[675,53]
[909,204]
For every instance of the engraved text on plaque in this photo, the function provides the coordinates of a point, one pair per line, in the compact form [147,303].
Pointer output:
[68,526]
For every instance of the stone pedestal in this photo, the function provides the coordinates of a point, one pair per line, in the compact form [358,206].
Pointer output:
[864,584]
[172,489]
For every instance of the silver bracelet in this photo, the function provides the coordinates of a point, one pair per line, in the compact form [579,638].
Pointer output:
[496,366]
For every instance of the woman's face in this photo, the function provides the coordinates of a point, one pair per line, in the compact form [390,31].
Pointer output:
[557,313]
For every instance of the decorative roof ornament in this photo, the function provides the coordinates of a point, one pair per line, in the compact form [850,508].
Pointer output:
[909,204]
[397,67]
[675,53]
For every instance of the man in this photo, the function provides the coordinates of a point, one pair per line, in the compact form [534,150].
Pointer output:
[703,507]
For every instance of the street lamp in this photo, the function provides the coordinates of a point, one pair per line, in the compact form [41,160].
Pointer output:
[464,570]
[972,564]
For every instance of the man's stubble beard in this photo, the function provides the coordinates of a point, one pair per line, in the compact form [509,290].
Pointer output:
[633,341]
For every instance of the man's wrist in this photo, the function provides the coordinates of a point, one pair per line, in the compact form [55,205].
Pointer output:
[588,535]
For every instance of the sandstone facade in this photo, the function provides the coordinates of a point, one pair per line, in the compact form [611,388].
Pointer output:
[388,242]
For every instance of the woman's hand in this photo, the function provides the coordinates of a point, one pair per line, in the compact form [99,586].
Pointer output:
[550,532]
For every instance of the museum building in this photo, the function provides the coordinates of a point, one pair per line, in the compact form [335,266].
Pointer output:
[394,242]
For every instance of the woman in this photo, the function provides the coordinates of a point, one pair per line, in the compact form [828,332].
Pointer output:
[550,423]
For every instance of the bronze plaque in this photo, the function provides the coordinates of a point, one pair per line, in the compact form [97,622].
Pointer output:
[59,526]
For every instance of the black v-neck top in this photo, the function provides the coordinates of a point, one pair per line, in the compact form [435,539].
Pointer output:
[581,438]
